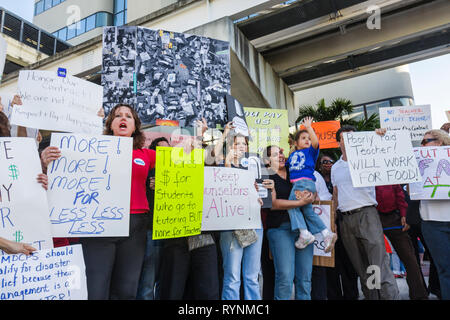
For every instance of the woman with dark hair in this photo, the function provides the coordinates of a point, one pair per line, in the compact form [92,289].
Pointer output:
[324,168]
[237,257]
[292,265]
[113,264]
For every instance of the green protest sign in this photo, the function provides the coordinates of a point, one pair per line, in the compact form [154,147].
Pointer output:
[178,193]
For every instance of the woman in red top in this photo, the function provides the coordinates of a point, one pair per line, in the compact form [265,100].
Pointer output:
[113,265]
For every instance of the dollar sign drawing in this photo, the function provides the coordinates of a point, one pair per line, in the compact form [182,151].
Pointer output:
[165,178]
[14,172]
[18,235]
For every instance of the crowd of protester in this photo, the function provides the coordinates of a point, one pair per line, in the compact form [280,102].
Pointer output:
[277,260]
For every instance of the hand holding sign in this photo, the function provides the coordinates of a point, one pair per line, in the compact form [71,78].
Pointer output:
[11,247]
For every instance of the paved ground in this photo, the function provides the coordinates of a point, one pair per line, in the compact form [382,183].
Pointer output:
[403,286]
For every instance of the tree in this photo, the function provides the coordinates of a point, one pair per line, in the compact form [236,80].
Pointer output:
[340,110]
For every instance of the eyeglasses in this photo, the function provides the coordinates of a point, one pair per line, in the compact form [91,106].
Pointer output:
[427,141]
[327,162]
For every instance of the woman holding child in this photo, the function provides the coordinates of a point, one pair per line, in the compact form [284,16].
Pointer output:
[292,223]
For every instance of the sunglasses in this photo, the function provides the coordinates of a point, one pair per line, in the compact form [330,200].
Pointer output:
[327,162]
[426,141]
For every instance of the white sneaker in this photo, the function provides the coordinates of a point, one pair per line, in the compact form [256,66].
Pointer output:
[304,240]
[329,241]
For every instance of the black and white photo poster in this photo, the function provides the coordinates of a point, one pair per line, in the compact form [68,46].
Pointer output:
[166,75]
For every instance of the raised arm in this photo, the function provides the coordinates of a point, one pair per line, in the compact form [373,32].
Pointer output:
[307,122]
[218,148]
[11,247]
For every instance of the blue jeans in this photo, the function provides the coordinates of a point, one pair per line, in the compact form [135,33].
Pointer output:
[149,281]
[437,238]
[304,217]
[292,266]
[234,256]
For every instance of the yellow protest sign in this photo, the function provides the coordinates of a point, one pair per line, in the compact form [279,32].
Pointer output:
[178,193]
[267,127]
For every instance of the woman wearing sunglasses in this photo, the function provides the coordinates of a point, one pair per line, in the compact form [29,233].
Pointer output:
[325,164]
[436,220]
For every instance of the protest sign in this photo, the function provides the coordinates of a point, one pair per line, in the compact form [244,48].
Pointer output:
[178,193]
[267,127]
[3,47]
[230,200]
[324,209]
[326,133]
[415,119]
[166,75]
[52,274]
[50,102]
[376,160]
[236,115]
[434,166]
[89,186]
[23,201]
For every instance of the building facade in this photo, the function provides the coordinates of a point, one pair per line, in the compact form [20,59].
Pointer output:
[279,49]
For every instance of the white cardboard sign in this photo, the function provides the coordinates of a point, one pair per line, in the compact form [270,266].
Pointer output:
[52,274]
[415,119]
[376,160]
[55,103]
[23,201]
[89,186]
[230,200]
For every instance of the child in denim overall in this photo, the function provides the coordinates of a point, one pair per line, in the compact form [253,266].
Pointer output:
[301,164]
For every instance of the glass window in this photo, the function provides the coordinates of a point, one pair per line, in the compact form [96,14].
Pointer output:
[90,23]
[62,34]
[119,5]
[399,102]
[48,4]
[373,108]
[71,31]
[56,2]
[357,114]
[101,19]
[39,7]
[118,19]
[81,27]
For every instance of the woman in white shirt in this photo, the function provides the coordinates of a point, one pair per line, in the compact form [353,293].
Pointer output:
[436,221]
